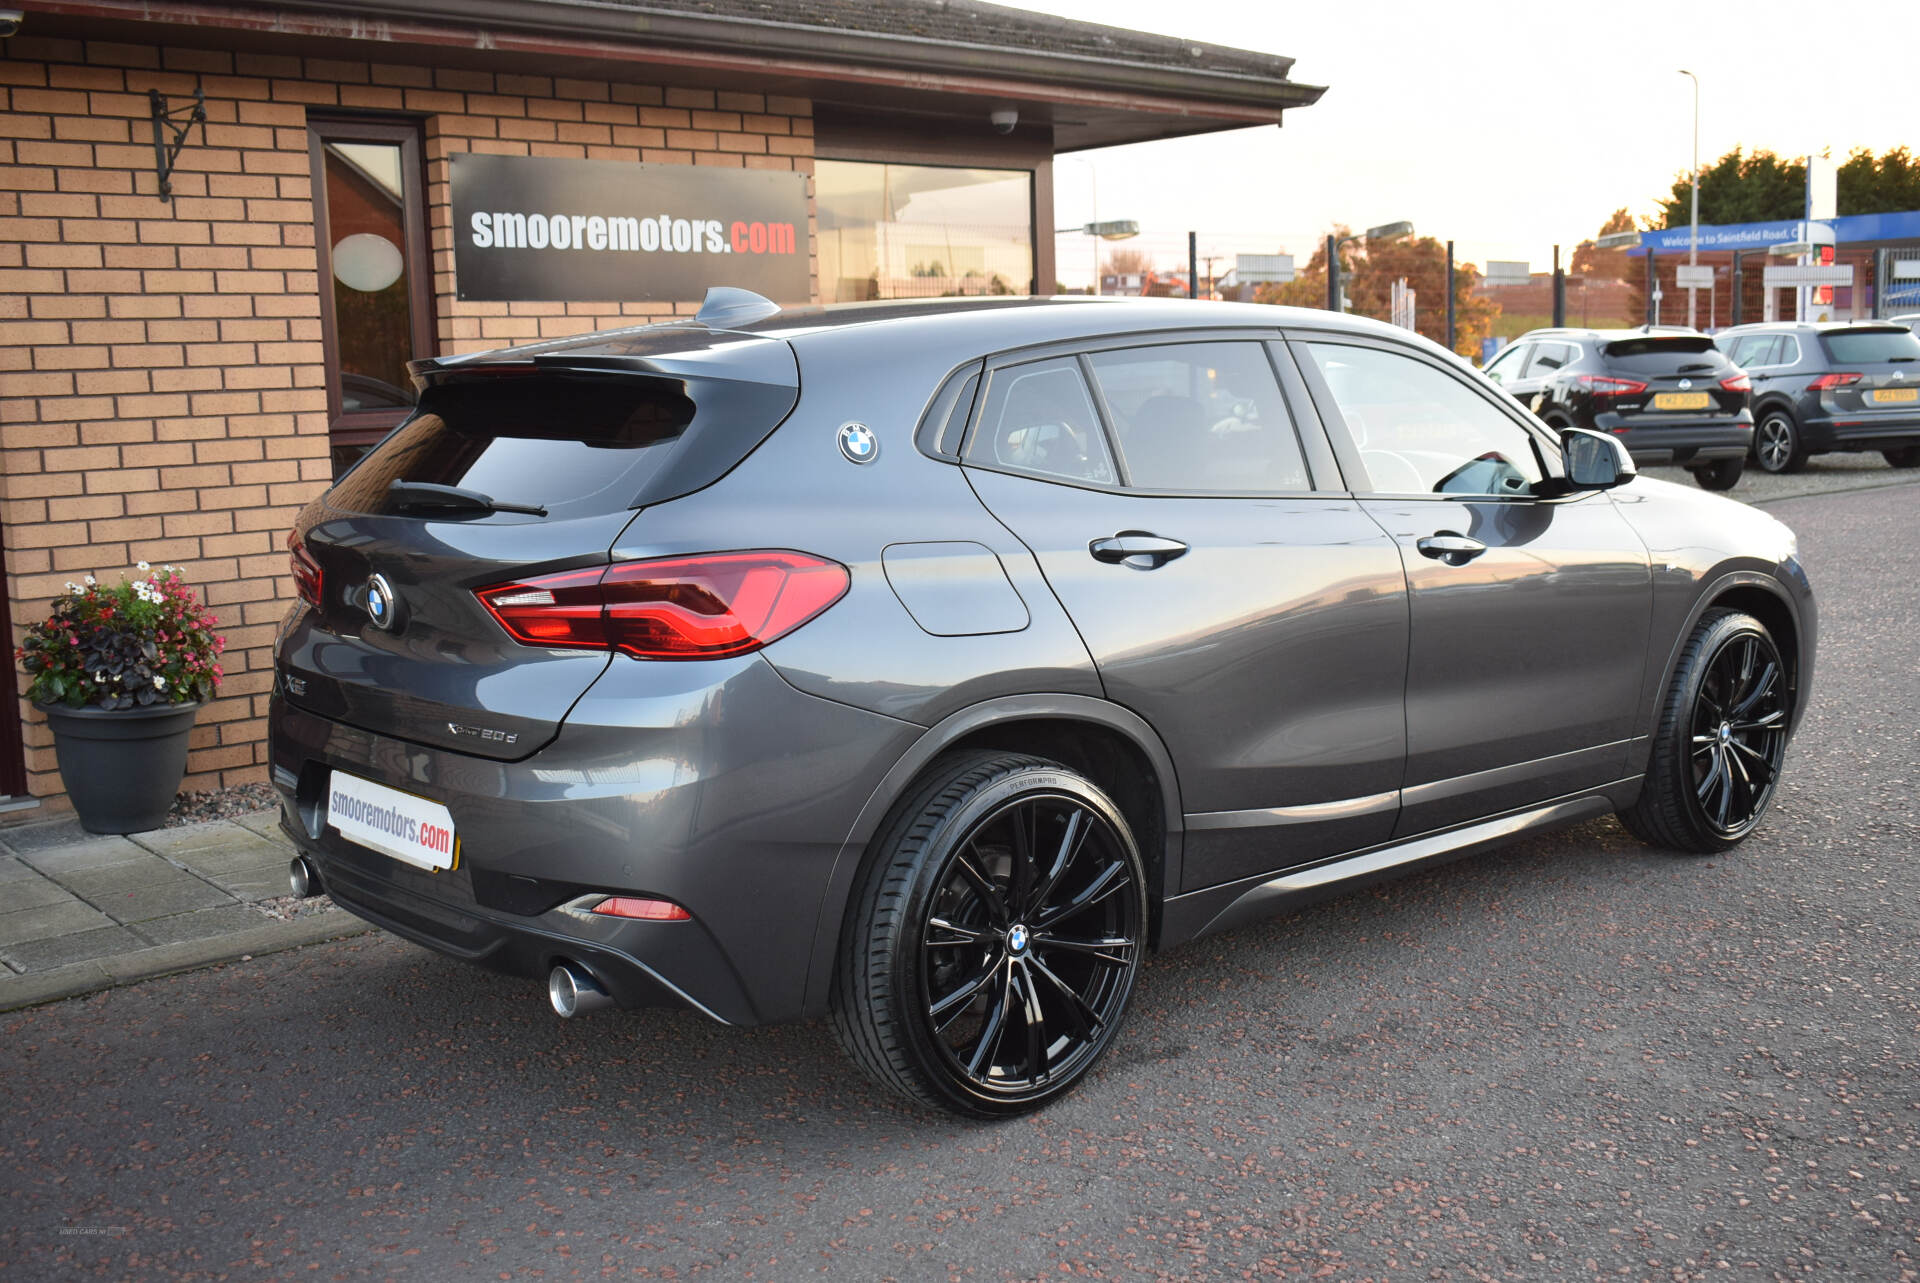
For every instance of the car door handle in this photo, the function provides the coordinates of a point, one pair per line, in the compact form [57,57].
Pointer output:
[1141,549]
[1448,546]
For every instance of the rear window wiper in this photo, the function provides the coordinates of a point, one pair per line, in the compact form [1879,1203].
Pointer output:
[425,494]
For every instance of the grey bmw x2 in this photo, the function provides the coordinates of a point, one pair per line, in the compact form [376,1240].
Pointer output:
[926,665]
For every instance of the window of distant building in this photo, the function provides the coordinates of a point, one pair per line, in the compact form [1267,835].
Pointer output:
[922,231]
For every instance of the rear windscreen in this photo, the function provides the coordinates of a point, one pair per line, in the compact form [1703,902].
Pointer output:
[1857,347]
[575,445]
[1662,355]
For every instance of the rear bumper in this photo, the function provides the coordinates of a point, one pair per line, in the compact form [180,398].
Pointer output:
[731,794]
[1862,431]
[1680,441]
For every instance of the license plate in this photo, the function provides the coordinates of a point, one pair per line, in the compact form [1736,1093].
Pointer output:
[1896,396]
[1681,400]
[408,828]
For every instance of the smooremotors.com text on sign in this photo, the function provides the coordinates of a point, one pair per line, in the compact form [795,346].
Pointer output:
[546,229]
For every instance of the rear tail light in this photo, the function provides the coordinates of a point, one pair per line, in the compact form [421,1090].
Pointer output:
[1738,383]
[704,607]
[1604,385]
[306,571]
[633,906]
[1826,381]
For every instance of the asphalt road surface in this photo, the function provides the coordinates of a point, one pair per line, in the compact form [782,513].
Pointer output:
[1570,1058]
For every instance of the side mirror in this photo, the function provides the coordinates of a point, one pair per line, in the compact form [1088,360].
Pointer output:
[1595,461]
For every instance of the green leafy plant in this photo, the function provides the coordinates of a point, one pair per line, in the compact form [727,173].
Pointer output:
[142,642]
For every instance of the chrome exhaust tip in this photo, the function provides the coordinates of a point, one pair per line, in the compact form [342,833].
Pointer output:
[303,877]
[573,992]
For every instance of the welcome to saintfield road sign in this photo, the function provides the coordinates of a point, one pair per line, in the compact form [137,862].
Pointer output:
[537,228]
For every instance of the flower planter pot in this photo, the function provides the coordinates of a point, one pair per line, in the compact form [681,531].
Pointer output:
[122,769]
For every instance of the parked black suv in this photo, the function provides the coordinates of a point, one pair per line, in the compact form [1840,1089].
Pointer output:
[1668,394]
[1822,387]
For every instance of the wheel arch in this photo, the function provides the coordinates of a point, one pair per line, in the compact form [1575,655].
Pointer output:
[1110,745]
[1764,598]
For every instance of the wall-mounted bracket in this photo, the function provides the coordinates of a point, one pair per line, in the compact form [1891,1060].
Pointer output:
[178,121]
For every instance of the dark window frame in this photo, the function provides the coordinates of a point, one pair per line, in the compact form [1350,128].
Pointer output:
[13,766]
[366,427]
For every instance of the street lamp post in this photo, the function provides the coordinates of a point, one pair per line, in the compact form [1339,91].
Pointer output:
[1384,232]
[1693,237]
[1115,229]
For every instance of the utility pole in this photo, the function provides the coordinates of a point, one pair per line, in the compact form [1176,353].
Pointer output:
[1693,236]
[1193,264]
[1559,291]
[1210,260]
[1450,337]
[1333,274]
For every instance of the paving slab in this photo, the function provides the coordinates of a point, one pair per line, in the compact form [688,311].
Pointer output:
[202,924]
[164,899]
[111,881]
[92,853]
[43,835]
[31,893]
[267,824]
[254,884]
[211,835]
[239,851]
[77,946]
[14,869]
[49,921]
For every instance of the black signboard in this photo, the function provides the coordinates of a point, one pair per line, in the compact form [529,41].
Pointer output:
[527,228]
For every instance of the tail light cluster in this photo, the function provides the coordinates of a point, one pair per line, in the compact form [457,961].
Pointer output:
[704,607]
[1832,380]
[306,571]
[1737,383]
[1607,385]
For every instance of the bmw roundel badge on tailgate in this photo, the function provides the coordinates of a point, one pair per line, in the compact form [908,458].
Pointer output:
[858,443]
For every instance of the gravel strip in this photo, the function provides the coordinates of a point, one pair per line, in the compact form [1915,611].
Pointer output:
[219,804]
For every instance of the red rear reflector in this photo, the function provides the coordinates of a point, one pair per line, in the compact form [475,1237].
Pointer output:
[1603,385]
[1738,383]
[1826,381]
[704,607]
[306,571]
[633,906]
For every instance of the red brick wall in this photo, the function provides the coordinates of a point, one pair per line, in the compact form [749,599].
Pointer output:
[162,380]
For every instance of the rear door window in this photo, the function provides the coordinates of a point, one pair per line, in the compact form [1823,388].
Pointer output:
[1548,357]
[1200,417]
[1039,418]
[1862,347]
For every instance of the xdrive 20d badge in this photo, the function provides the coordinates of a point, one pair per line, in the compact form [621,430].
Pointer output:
[926,667]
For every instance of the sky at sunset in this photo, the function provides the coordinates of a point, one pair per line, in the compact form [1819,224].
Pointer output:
[1505,127]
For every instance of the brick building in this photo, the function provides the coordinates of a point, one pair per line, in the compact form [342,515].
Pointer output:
[178,376]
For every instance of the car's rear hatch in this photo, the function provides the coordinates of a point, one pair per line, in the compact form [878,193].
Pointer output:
[1873,372]
[588,432]
[1683,377]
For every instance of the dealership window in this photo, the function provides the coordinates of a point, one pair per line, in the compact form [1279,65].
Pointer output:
[375,301]
[922,231]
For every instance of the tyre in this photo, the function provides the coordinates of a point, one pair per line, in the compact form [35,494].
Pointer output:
[1721,739]
[992,945]
[1721,474]
[1777,446]
[1904,457]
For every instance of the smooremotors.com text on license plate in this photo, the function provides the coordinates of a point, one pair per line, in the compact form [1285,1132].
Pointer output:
[393,823]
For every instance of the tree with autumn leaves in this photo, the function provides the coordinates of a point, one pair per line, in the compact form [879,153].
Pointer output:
[1369,271]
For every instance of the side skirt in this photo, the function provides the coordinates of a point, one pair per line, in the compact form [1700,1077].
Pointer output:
[1220,908]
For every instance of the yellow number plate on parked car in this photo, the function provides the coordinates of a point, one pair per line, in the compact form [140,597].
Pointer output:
[1681,400]
[1895,396]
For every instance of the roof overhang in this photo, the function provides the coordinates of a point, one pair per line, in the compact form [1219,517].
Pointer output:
[1085,101]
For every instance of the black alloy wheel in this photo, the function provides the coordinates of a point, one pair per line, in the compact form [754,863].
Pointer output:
[1777,446]
[1723,736]
[995,945]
